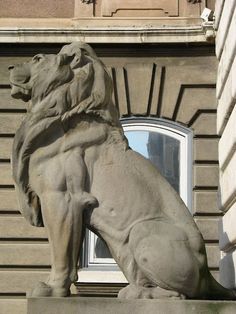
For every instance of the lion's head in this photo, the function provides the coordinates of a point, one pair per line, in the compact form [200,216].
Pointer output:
[38,77]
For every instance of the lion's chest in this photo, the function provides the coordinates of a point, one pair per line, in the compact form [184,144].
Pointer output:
[46,169]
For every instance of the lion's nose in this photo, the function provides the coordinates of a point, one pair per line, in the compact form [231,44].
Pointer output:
[11,67]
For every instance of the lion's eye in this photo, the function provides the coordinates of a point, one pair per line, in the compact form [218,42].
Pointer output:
[37,58]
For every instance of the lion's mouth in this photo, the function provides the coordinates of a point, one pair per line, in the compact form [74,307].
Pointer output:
[18,92]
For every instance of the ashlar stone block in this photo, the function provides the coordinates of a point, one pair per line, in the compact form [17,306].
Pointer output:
[227,229]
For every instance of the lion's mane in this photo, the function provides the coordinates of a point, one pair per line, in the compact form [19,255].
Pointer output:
[58,93]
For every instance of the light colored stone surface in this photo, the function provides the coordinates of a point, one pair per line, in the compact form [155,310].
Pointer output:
[28,33]
[227,189]
[225,104]
[224,24]
[111,306]
[8,305]
[227,273]
[226,118]
[234,80]
[218,11]
[226,60]
[227,229]
[227,143]
[205,149]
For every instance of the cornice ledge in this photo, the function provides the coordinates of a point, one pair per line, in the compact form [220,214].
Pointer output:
[123,34]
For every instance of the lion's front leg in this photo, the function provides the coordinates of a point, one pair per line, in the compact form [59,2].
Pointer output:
[63,222]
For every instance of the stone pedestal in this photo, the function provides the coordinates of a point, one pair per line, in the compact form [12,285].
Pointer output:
[76,305]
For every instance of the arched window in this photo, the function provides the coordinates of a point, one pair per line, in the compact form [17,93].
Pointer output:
[168,145]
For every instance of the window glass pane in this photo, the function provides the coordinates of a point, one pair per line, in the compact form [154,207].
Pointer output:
[101,249]
[162,150]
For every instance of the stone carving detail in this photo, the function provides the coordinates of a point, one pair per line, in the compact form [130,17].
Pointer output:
[110,8]
[73,168]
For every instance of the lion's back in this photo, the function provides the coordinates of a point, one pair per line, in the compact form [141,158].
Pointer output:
[131,188]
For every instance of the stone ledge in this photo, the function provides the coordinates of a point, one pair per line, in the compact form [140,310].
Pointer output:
[76,305]
[105,30]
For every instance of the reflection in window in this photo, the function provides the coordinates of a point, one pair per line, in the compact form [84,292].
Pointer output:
[165,145]
[162,150]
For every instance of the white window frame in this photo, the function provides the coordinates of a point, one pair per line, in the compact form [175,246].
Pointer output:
[106,270]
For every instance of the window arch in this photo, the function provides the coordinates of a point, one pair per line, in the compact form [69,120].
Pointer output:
[169,147]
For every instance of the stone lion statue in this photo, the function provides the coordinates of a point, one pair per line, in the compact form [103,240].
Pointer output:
[73,168]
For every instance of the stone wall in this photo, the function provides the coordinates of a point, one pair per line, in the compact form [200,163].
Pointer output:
[225,24]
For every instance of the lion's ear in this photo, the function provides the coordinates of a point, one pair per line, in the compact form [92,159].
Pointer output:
[64,59]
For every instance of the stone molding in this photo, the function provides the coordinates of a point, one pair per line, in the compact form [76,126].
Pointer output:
[112,34]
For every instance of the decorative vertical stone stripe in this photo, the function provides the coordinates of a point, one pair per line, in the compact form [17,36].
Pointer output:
[226,119]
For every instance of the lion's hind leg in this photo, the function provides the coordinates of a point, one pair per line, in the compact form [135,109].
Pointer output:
[165,263]
[153,292]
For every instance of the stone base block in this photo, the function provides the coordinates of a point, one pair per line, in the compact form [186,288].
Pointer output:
[76,305]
